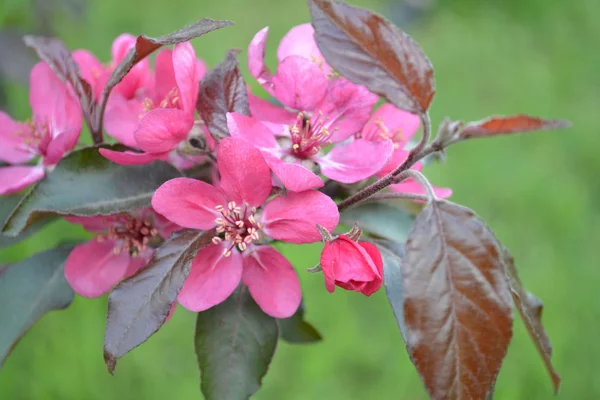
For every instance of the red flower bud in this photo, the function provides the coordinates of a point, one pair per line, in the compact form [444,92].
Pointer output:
[352,266]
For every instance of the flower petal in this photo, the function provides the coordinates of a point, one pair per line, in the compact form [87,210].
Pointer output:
[15,178]
[251,130]
[188,202]
[299,83]
[272,116]
[397,158]
[98,224]
[164,75]
[355,161]
[61,144]
[162,129]
[212,278]
[272,282]
[294,177]
[122,118]
[130,157]
[184,64]
[256,59]
[299,41]
[375,255]
[138,76]
[93,268]
[245,175]
[91,69]
[293,218]
[347,107]
[12,134]
[387,121]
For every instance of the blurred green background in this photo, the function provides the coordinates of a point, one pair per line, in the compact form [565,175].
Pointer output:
[538,192]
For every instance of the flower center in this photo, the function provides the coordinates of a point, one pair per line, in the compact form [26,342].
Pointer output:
[382,132]
[171,100]
[309,135]
[131,233]
[36,137]
[236,225]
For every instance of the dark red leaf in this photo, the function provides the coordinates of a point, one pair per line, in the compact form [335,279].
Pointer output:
[369,50]
[146,45]
[530,308]
[54,53]
[138,306]
[457,304]
[222,90]
[506,125]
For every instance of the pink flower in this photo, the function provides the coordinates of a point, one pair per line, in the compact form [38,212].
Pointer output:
[399,126]
[239,211]
[52,131]
[161,119]
[98,74]
[352,266]
[118,252]
[292,159]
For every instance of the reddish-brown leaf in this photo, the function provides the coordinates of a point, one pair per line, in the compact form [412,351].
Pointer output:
[222,90]
[457,304]
[506,125]
[54,53]
[530,308]
[146,45]
[369,50]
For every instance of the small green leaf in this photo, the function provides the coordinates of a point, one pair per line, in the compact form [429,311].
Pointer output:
[380,219]
[7,205]
[392,253]
[296,330]
[28,290]
[235,342]
[86,184]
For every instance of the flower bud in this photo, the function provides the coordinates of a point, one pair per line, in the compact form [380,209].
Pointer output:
[352,265]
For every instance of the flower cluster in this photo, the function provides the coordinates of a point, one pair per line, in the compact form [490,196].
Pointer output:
[266,177]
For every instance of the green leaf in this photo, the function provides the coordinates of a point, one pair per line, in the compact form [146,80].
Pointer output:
[392,253]
[296,330]
[86,184]
[138,306]
[235,342]
[7,205]
[28,290]
[380,219]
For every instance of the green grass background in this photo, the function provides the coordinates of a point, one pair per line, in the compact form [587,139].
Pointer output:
[538,192]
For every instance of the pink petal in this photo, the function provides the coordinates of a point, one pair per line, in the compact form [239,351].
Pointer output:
[245,175]
[355,161]
[122,117]
[12,134]
[164,73]
[410,186]
[294,218]
[212,278]
[299,41]
[15,178]
[397,158]
[294,177]
[270,115]
[139,74]
[93,268]
[299,83]
[130,157]
[251,130]
[184,63]
[46,90]
[60,145]
[272,282]
[121,46]
[162,129]
[90,69]
[401,124]
[188,202]
[375,256]
[256,59]
[347,107]
[138,262]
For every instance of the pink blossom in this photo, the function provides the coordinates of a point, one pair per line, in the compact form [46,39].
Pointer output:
[352,266]
[120,249]
[239,210]
[52,131]
[399,126]
[97,74]
[160,118]
[293,159]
